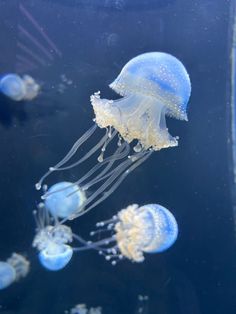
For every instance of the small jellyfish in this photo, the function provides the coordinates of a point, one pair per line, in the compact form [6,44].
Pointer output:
[82,309]
[15,268]
[153,85]
[59,205]
[137,230]
[52,244]
[17,88]
[142,306]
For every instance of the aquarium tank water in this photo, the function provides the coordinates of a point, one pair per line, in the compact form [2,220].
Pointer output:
[118,156]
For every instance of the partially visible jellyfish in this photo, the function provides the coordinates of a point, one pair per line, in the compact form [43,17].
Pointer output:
[133,231]
[153,85]
[15,268]
[108,39]
[52,241]
[19,88]
[142,306]
[82,309]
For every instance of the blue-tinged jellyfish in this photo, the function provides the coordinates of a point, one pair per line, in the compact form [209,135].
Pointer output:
[137,230]
[19,88]
[61,206]
[82,309]
[132,232]
[152,85]
[15,267]
[52,242]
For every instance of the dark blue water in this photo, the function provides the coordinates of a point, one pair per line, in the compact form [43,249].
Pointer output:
[96,38]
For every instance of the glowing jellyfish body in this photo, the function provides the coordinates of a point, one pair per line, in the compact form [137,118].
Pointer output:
[13,269]
[60,204]
[7,275]
[153,85]
[17,88]
[82,309]
[12,86]
[51,242]
[137,230]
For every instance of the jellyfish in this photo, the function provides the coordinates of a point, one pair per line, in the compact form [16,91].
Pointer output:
[152,86]
[82,309]
[133,231]
[59,205]
[137,230]
[52,241]
[15,268]
[17,88]
[142,306]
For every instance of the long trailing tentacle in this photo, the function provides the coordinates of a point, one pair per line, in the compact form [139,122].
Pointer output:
[120,153]
[119,174]
[68,156]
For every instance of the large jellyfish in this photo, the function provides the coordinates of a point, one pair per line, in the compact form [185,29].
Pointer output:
[152,85]
[133,231]
[19,88]
[15,268]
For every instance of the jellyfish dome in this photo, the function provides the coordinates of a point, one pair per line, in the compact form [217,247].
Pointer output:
[64,199]
[153,85]
[17,88]
[16,267]
[12,86]
[7,275]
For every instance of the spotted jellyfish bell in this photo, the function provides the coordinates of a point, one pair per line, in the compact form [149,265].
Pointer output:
[153,85]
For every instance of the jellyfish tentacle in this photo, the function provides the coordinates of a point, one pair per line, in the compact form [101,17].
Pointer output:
[101,176]
[120,180]
[121,152]
[68,156]
[105,140]
[123,172]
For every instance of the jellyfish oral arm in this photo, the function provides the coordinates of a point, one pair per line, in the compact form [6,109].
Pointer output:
[135,117]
